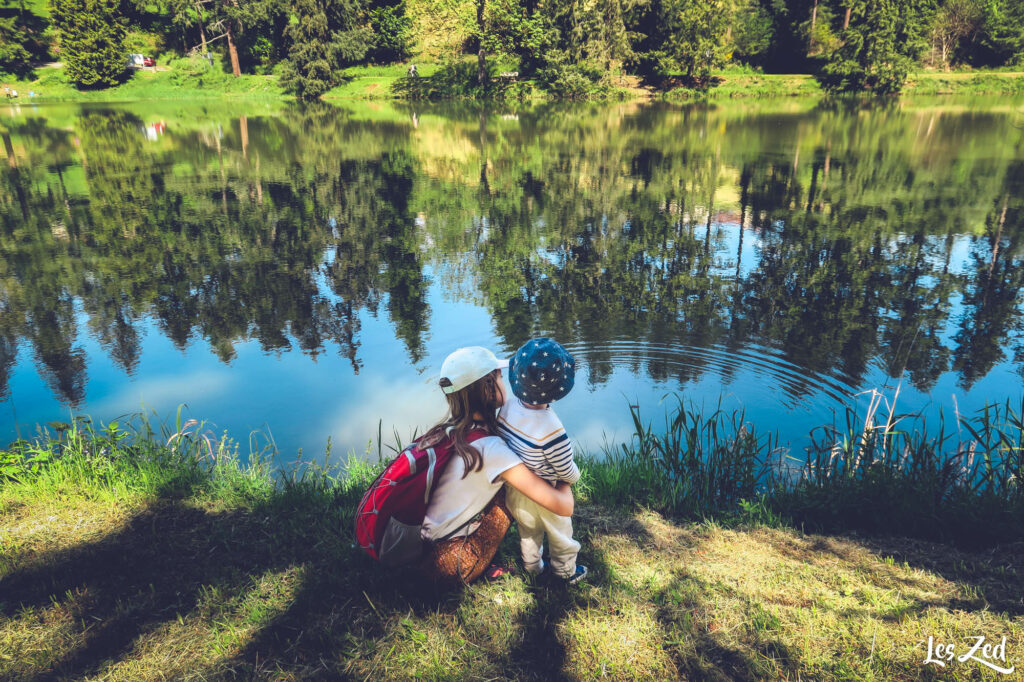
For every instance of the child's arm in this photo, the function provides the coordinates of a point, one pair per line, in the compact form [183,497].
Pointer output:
[558,453]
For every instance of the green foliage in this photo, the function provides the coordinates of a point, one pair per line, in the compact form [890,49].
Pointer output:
[698,464]
[597,31]
[459,80]
[92,39]
[879,47]
[260,41]
[573,80]
[694,32]
[1004,31]
[752,32]
[861,476]
[14,57]
[684,37]
[392,33]
[325,37]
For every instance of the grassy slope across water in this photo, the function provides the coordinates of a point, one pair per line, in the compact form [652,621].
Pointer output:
[122,558]
[174,83]
[186,78]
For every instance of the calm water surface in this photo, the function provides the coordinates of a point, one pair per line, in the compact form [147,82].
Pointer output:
[304,271]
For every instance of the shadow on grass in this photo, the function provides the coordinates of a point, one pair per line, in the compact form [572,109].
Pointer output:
[178,565]
[157,567]
[460,80]
[177,559]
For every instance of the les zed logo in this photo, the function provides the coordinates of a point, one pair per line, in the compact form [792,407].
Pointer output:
[986,654]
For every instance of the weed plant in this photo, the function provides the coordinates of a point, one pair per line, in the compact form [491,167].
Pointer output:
[864,473]
[891,476]
[698,465]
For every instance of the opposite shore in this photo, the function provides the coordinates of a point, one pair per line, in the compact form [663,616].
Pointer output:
[392,83]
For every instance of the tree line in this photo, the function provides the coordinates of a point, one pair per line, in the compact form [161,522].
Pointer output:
[569,48]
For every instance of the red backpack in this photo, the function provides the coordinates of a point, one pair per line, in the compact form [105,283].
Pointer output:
[391,513]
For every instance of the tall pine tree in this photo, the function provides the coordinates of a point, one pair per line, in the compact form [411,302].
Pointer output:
[326,35]
[880,45]
[92,41]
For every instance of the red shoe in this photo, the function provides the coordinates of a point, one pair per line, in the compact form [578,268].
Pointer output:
[496,572]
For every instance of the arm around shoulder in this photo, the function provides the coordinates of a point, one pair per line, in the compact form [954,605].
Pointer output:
[558,499]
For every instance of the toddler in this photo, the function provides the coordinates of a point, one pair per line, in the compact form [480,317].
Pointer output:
[541,372]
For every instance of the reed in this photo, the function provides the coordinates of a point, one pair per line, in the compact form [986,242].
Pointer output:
[874,472]
[697,465]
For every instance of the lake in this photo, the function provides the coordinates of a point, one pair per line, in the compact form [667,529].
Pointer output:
[299,273]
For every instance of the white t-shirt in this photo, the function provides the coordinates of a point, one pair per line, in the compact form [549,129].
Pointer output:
[539,439]
[456,500]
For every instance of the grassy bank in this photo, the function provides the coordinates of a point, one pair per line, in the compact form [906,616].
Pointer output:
[802,85]
[182,78]
[127,558]
[190,78]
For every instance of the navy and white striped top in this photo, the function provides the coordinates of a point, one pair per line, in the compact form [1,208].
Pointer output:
[539,439]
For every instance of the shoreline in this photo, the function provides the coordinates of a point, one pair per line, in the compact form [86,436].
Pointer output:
[373,83]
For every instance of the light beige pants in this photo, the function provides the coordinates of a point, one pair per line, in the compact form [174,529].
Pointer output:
[534,522]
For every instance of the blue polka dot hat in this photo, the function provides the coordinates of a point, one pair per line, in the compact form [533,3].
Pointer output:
[541,371]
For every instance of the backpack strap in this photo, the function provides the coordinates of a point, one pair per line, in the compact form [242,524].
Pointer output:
[431,469]
[474,435]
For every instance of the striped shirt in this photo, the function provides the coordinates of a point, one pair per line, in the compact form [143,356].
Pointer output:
[539,439]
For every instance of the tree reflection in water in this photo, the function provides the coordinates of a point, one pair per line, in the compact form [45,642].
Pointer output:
[835,236]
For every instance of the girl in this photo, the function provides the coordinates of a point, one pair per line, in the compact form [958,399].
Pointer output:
[466,516]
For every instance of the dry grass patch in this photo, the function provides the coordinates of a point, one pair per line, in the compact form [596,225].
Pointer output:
[29,529]
[622,641]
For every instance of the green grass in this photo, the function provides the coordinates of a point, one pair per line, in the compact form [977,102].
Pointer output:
[733,83]
[374,82]
[185,78]
[985,83]
[143,551]
[730,84]
[189,78]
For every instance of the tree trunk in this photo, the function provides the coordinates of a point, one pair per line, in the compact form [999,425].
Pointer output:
[243,128]
[481,62]
[846,19]
[814,20]
[233,51]
[202,31]
[9,149]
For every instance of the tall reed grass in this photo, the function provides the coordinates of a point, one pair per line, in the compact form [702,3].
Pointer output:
[873,472]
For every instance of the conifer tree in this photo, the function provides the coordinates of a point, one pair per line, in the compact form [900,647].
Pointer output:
[880,45]
[326,35]
[92,41]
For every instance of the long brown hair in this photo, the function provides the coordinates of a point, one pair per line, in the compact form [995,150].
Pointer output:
[483,396]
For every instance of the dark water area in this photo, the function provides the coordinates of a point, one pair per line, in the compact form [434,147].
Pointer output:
[302,272]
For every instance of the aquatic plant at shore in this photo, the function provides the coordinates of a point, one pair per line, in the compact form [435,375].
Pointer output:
[874,473]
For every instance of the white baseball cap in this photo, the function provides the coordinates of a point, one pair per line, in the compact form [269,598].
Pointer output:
[466,365]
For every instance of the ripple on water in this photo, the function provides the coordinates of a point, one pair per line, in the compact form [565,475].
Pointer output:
[756,370]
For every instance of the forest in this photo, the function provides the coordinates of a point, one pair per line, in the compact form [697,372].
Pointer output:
[568,49]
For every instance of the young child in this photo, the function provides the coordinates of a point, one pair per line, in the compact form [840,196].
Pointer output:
[541,372]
